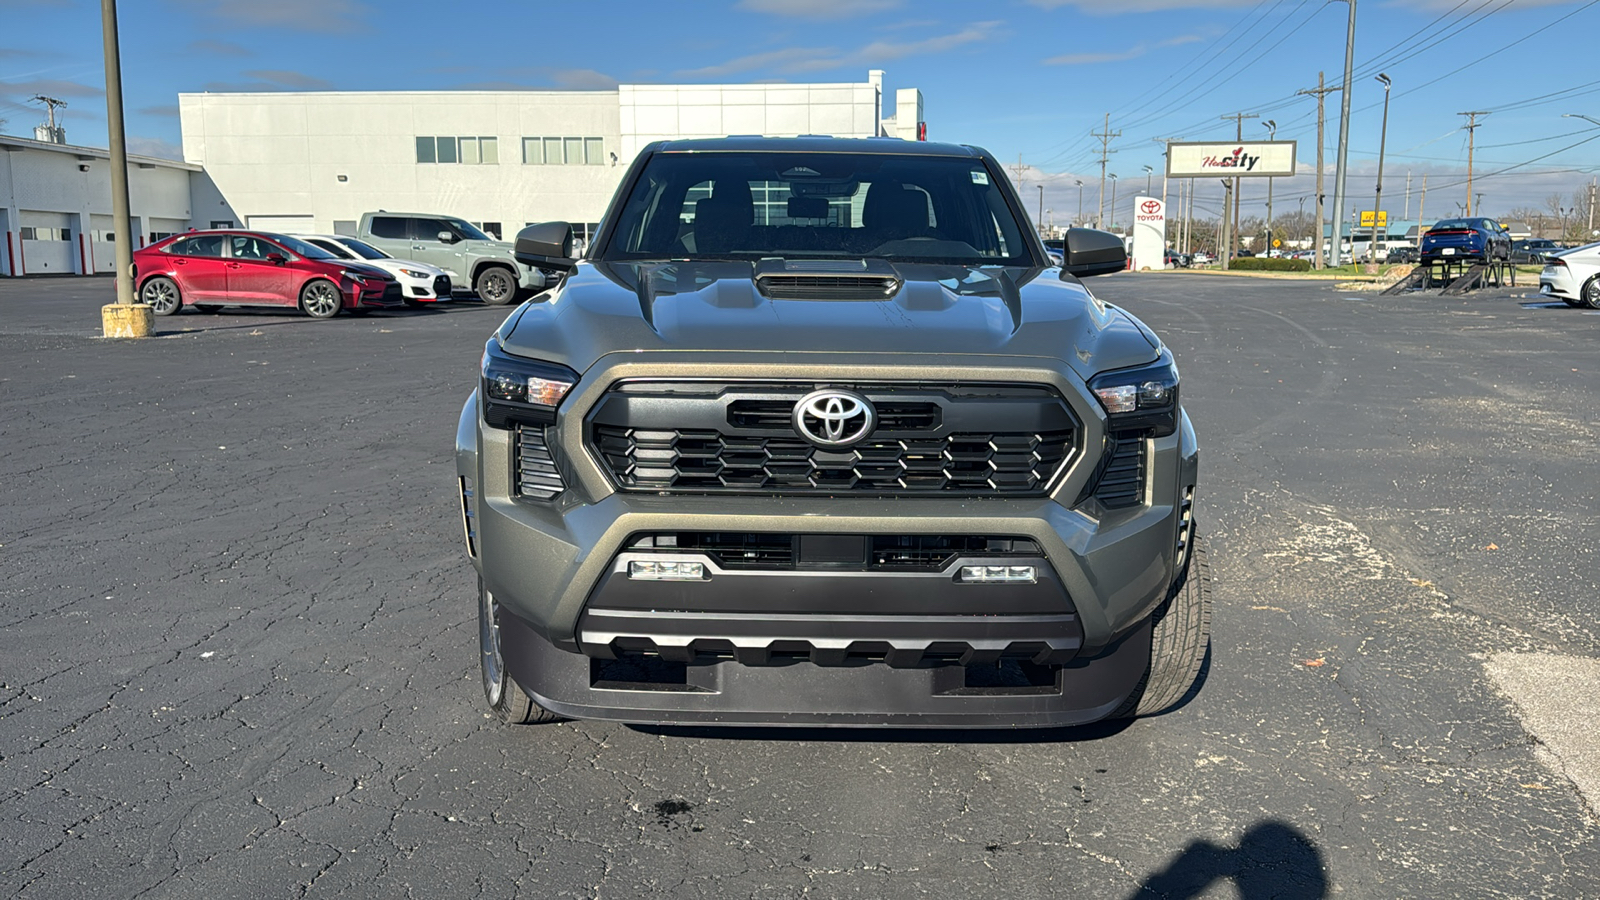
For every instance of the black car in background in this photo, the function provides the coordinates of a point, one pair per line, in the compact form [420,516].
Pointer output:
[1401,255]
[1476,238]
[1533,250]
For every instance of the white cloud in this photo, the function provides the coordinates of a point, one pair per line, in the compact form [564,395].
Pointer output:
[819,9]
[798,60]
[148,146]
[294,15]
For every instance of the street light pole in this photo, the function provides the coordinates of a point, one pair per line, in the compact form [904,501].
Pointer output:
[1041,210]
[1147,173]
[1272,134]
[1344,131]
[125,318]
[1377,200]
[1113,177]
[1080,201]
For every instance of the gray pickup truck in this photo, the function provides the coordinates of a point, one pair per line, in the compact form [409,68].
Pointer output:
[815,433]
[475,261]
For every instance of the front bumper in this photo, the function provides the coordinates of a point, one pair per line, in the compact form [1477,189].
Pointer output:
[1558,282]
[552,567]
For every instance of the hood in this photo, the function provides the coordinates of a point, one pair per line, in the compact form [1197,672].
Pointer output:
[362,267]
[394,265]
[716,306]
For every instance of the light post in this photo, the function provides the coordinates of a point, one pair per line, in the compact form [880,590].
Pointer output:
[1342,166]
[1271,126]
[1147,173]
[1377,200]
[1113,177]
[1080,200]
[126,317]
[1041,210]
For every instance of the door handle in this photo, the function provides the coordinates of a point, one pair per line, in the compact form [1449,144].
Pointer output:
[181,262]
[233,265]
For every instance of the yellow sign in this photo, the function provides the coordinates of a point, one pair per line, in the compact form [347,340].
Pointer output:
[1277,243]
[1367,216]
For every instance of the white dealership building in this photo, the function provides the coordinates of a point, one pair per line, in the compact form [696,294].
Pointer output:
[315,161]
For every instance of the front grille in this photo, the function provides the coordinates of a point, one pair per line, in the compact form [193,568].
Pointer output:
[537,475]
[930,439]
[392,293]
[769,551]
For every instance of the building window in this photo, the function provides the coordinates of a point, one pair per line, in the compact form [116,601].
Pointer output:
[471,151]
[160,235]
[492,229]
[559,151]
[37,233]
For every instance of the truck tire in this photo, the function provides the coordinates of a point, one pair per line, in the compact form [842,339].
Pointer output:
[506,699]
[495,285]
[1180,640]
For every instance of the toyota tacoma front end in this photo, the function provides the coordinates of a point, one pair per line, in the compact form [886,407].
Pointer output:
[817,434]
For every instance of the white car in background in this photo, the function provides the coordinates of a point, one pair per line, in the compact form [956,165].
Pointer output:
[419,282]
[1573,275]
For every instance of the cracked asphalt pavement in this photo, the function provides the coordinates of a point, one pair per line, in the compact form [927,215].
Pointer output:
[237,636]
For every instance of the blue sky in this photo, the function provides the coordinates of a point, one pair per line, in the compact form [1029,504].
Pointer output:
[1028,77]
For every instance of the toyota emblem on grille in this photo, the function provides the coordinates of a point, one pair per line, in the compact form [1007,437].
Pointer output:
[833,418]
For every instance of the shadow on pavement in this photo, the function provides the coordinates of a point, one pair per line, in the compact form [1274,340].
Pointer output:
[1273,859]
[1094,732]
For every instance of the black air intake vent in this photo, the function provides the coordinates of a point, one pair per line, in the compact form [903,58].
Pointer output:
[537,475]
[828,287]
[1122,482]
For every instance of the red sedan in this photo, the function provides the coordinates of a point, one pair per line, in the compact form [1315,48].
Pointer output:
[208,269]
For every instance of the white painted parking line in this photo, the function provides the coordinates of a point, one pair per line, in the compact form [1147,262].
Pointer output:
[1559,698]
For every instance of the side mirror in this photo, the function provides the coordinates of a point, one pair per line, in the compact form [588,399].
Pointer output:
[1088,252]
[447,237]
[547,245]
[277,258]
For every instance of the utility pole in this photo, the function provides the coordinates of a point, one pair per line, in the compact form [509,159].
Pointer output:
[1105,138]
[51,104]
[1272,134]
[1344,132]
[1233,246]
[1223,236]
[1472,128]
[1319,92]
[1041,210]
[1422,205]
[1592,186]
[124,319]
[1019,173]
[1079,221]
[1407,214]
[1377,199]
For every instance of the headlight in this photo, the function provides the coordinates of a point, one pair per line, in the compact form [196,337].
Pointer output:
[521,390]
[1145,397]
[414,273]
[358,277]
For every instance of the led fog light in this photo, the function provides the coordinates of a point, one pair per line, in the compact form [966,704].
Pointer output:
[998,574]
[660,570]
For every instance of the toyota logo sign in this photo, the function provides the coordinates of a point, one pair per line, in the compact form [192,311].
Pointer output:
[834,418]
[1150,207]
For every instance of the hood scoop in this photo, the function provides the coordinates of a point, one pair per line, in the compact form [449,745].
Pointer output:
[827,279]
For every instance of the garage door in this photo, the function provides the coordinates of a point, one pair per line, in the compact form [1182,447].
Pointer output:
[48,244]
[283,224]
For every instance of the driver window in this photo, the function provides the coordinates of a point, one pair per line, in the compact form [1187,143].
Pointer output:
[248,248]
[428,229]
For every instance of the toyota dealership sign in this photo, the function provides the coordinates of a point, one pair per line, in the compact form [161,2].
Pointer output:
[1238,159]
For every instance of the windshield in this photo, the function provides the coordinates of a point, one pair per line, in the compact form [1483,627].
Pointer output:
[748,205]
[468,230]
[304,248]
[333,247]
[1453,225]
[365,251]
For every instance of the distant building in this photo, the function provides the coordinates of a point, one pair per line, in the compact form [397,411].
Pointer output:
[55,205]
[315,161]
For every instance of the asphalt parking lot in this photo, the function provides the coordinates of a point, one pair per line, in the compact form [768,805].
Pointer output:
[239,636]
